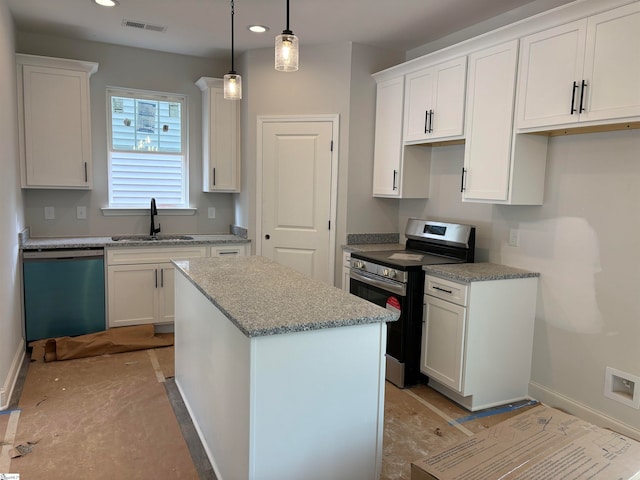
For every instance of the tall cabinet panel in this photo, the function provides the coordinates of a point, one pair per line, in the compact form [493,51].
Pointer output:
[221,138]
[499,166]
[54,122]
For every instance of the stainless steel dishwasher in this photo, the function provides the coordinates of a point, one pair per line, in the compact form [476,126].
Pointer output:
[64,292]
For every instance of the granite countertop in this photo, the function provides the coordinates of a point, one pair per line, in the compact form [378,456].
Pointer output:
[262,297]
[477,272]
[372,247]
[130,241]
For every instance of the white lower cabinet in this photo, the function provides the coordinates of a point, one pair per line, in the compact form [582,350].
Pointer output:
[140,283]
[477,339]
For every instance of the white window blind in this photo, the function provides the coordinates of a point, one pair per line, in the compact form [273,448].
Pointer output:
[147,156]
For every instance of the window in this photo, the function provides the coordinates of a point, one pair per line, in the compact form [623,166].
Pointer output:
[147,149]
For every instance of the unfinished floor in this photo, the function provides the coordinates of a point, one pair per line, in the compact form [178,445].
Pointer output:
[120,416]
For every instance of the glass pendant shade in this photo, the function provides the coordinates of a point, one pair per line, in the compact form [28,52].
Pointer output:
[232,86]
[286,52]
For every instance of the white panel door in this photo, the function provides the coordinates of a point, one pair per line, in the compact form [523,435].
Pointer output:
[296,195]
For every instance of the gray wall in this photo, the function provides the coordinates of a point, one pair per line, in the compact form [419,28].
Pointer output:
[11,212]
[584,242]
[332,79]
[132,68]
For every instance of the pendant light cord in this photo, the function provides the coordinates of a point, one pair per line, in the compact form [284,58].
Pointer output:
[233,70]
[288,31]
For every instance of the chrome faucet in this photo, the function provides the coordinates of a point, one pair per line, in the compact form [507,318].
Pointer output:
[153,211]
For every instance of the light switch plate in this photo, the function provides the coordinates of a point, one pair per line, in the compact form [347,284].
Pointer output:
[211,213]
[514,237]
[81,212]
[49,213]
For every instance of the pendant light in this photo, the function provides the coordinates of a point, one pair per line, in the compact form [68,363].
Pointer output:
[287,49]
[232,81]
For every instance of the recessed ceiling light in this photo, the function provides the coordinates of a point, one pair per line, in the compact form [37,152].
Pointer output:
[257,28]
[107,3]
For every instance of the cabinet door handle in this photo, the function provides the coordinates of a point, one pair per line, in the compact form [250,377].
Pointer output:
[584,86]
[426,121]
[443,290]
[162,277]
[156,278]
[214,176]
[395,176]
[430,121]
[573,98]
[86,176]
[464,171]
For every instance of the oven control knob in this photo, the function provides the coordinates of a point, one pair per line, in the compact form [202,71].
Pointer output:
[389,273]
[358,264]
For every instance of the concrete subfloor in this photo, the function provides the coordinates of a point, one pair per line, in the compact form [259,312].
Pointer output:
[121,416]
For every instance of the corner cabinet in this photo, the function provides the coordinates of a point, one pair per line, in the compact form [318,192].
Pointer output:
[499,167]
[583,71]
[434,102]
[220,137]
[398,171]
[54,122]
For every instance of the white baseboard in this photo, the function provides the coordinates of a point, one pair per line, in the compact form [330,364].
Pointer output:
[562,402]
[12,376]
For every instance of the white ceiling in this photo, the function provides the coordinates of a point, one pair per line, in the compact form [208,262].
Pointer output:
[203,27]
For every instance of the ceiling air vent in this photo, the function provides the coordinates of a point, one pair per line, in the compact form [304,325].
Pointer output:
[143,26]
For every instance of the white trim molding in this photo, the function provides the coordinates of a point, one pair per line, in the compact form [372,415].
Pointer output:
[569,405]
[12,376]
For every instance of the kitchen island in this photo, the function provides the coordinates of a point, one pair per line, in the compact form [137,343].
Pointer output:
[283,376]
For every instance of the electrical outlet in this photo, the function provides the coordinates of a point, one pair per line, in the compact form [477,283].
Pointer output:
[81,212]
[49,213]
[514,237]
[211,213]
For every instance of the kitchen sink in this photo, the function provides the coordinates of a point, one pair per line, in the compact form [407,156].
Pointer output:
[149,238]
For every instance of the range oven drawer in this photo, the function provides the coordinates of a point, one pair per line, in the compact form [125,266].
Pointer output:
[453,292]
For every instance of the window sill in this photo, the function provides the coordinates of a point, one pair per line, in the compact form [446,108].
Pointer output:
[118,212]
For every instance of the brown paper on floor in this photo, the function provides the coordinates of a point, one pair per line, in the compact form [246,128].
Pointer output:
[114,340]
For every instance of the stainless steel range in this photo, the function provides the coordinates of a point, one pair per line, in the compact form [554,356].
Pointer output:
[394,279]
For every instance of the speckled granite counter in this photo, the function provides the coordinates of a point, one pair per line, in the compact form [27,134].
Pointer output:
[101,242]
[372,247]
[262,297]
[477,272]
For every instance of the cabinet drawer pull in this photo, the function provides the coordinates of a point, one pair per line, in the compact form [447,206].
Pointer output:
[443,290]
[430,121]
[464,171]
[395,176]
[584,86]
[86,176]
[573,98]
[214,176]
[426,121]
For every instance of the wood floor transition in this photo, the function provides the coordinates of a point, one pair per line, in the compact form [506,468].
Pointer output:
[121,416]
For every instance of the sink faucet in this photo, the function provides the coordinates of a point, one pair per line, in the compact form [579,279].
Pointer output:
[153,211]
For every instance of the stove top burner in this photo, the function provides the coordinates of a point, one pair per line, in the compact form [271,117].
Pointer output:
[404,259]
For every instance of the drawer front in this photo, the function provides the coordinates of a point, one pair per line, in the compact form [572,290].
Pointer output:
[127,256]
[453,292]
[228,251]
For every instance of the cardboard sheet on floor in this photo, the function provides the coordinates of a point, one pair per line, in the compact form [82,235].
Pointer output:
[542,443]
[114,340]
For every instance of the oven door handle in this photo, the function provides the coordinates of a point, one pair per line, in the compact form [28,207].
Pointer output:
[392,287]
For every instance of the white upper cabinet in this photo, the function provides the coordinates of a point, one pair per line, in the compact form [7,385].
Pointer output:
[434,102]
[498,166]
[54,122]
[398,171]
[220,137]
[583,71]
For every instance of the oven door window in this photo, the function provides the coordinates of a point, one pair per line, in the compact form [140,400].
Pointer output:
[381,298]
